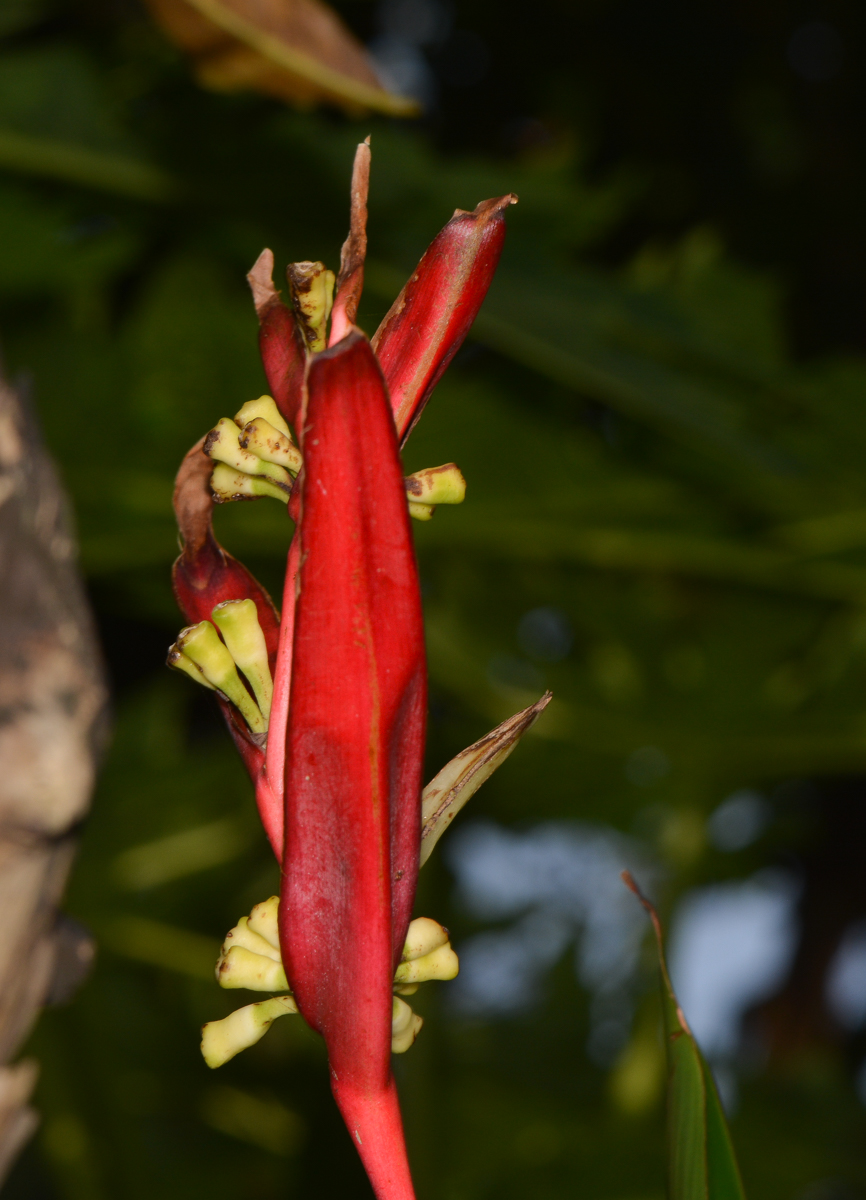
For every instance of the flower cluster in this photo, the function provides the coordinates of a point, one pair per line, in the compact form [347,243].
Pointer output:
[250,958]
[326,700]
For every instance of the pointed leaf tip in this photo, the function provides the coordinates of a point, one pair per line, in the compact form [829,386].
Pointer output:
[300,52]
[429,320]
[350,281]
[702,1164]
[460,779]
[260,277]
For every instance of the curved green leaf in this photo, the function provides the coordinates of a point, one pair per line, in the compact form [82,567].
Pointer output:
[56,121]
[701,1160]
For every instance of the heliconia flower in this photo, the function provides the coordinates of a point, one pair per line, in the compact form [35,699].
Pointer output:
[327,701]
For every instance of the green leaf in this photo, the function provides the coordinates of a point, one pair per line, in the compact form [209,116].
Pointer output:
[701,1160]
[16,15]
[56,121]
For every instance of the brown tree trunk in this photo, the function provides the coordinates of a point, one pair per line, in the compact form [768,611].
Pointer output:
[797,1019]
[52,722]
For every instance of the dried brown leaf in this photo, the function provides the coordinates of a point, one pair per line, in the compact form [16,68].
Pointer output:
[350,281]
[296,50]
[461,778]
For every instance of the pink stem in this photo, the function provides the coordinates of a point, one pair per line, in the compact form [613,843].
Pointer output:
[340,323]
[374,1122]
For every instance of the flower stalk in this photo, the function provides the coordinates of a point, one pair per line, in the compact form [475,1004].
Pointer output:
[327,700]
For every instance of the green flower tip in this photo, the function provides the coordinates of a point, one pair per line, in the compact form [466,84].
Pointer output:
[222,1040]
[200,653]
[238,622]
[254,454]
[312,288]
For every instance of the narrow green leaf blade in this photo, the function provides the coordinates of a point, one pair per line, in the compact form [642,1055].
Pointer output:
[723,1172]
[701,1160]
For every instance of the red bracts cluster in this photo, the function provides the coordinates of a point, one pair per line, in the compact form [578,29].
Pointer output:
[338,774]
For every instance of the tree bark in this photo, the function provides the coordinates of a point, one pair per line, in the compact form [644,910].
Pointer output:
[797,1019]
[52,725]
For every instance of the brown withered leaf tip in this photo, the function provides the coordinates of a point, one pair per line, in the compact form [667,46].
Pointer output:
[629,881]
[480,754]
[261,281]
[192,499]
[489,208]
[350,281]
[297,50]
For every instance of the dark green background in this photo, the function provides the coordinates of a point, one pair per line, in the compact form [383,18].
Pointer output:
[661,420]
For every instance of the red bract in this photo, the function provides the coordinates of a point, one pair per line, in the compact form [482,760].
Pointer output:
[205,575]
[339,782]
[355,745]
[280,342]
[428,321]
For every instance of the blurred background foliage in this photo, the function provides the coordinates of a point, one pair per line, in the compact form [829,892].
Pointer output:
[660,416]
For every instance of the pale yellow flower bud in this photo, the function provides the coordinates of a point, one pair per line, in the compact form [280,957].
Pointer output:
[222,1040]
[238,622]
[178,661]
[434,485]
[243,968]
[227,484]
[243,935]
[423,935]
[441,963]
[263,920]
[265,408]
[267,443]
[201,643]
[405,1026]
[223,446]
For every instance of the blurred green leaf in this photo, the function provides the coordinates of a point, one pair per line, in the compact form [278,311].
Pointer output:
[55,120]
[181,854]
[48,251]
[19,14]
[701,1160]
[34,155]
[161,945]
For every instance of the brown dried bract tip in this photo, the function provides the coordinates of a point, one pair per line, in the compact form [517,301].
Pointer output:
[350,281]
[489,208]
[261,281]
[192,500]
